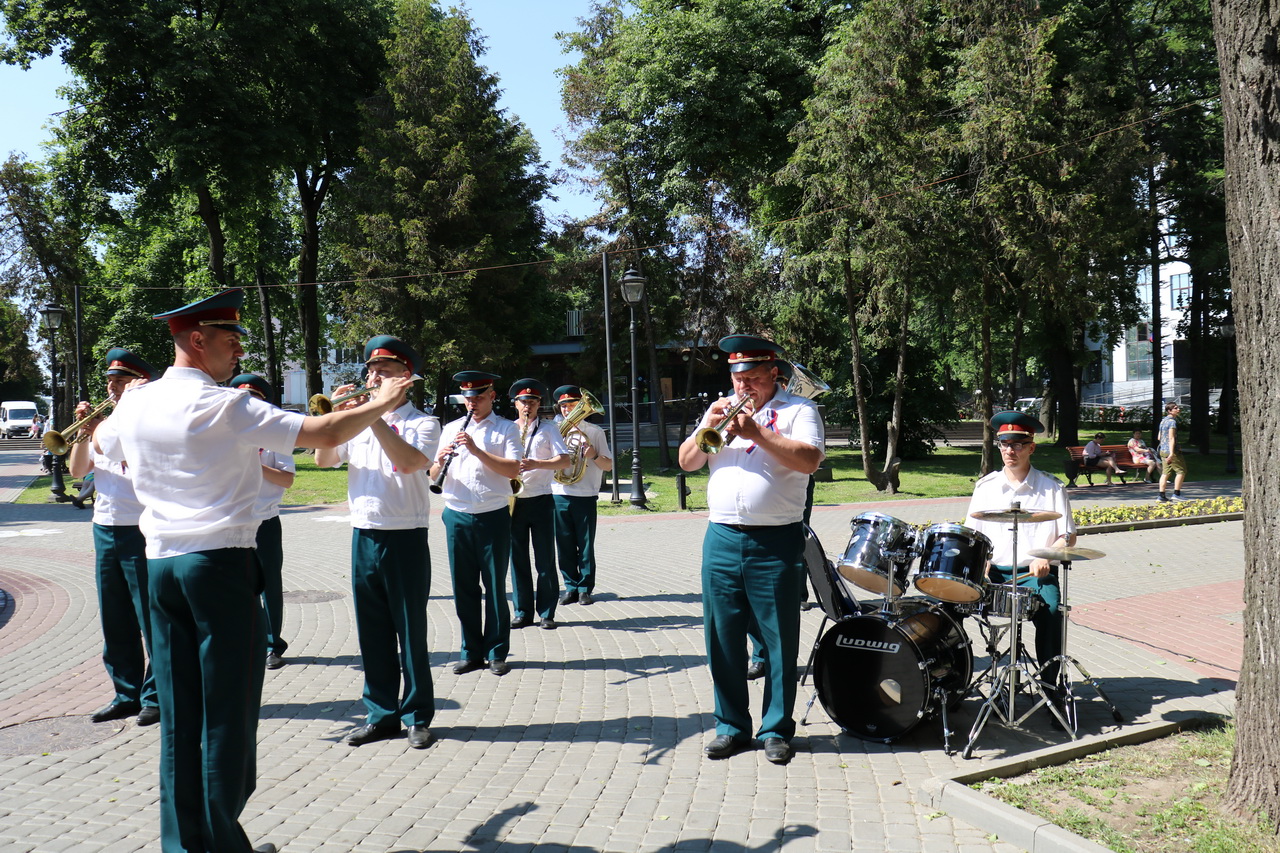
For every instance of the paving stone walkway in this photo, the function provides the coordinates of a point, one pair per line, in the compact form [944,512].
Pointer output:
[594,741]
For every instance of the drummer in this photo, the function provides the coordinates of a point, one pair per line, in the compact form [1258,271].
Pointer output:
[1033,490]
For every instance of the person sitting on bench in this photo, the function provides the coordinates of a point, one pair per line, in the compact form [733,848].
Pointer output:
[1096,457]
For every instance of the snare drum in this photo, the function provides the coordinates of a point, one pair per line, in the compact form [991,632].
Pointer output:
[878,553]
[1003,598]
[953,563]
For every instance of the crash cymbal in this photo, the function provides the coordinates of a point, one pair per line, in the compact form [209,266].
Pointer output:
[1067,555]
[1018,514]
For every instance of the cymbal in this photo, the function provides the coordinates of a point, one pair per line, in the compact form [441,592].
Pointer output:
[1022,516]
[1067,555]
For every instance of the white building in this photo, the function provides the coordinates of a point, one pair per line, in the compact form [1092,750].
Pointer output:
[1123,376]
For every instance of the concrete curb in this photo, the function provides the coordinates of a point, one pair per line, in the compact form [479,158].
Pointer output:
[953,794]
[1154,523]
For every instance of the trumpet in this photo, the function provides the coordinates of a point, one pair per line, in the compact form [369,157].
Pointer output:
[711,439]
[59,443]
[319,404]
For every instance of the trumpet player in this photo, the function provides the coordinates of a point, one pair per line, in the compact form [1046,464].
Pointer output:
[120,560]
[576,495]
[533,523]
[477,522]
[387,489]
[192,451]
[751,554]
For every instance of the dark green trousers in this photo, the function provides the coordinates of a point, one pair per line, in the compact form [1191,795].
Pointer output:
[271,556]
[210,654]
[390,584]
[576,541]
[752,575]
[124,608]
[1047,620]
[479,549]
[533,524]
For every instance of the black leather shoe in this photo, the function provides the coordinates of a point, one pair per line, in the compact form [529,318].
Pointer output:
[369,734]
[585,598]
[420,737]
[462,667]
[777,750]
[547,624]
[266,847]
[499,667]
[274,661]
[115,711]
[755,670]
[149,716]
[724,746]
[569,597]
[521,622]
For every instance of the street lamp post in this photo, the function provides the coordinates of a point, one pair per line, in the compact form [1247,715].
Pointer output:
[1227,400]
[53,315]
[632,286]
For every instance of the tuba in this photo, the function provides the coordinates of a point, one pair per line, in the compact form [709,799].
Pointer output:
[805,383]
[575,439]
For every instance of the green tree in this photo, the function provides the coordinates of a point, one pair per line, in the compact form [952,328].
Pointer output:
[441,219]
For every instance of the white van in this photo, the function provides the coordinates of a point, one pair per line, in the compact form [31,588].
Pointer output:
[16,417]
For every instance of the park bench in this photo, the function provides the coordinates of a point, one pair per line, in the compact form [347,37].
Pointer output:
[1074,465]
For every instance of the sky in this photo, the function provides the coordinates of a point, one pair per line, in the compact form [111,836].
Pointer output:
[521,49]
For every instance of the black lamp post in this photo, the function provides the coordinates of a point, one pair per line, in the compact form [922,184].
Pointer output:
[53,315]
[1227,400]
[632,285]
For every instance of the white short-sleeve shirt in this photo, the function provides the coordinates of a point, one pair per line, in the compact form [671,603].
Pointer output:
[192,450]
[542,442]
[382,497]
[270,495]
[593,475]
[470,486]
[114,502]
[747,485]
[1038,491]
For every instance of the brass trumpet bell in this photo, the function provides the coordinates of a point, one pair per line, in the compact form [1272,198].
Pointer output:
[711,439]
[59,443]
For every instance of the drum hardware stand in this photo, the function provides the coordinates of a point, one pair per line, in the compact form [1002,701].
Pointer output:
[1019,664]
[1065,661]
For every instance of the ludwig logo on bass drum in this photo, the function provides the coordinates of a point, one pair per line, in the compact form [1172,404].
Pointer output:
[868,645]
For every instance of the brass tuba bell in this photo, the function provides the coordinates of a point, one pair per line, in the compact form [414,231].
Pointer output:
[575,439]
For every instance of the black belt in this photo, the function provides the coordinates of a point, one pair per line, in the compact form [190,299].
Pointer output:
[745,528]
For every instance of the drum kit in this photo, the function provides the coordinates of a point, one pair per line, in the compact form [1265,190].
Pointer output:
[882,669]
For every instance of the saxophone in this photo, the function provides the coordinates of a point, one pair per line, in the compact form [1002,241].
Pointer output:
[575,439]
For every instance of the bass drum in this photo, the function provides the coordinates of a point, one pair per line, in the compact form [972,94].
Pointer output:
[876,674]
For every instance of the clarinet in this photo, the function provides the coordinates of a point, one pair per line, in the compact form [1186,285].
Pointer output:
[437,485]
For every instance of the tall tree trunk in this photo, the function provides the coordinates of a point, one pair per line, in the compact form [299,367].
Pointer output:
[268,329]
[313,187]
[1245,32]
[892,462]
[1064,373]
[873,476]
[1157,330]
[988,412]
[1197,345]
[207,210]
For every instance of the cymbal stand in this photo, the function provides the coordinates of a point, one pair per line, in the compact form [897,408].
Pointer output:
[1062,683]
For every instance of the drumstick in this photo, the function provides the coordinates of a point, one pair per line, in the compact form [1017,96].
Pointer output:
[1024,577]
